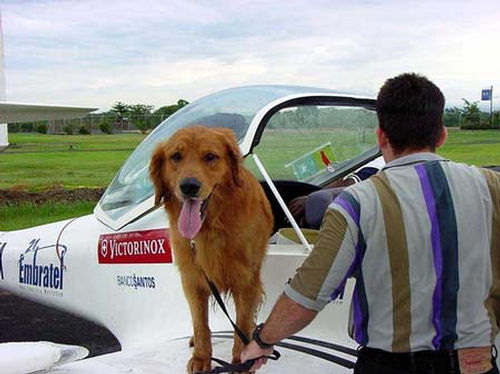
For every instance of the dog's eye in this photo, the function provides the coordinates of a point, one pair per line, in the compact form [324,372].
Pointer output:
[209,157]
[176,157]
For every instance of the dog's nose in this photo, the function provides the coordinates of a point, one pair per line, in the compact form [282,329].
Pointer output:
[190,187]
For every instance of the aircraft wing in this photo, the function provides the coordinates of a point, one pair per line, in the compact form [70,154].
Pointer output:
[11,112]
[31,357]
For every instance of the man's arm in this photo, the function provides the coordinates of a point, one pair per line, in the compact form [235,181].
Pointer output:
[286,318]
[493,181]
[320,279]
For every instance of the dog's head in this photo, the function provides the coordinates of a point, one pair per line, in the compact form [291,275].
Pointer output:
[189,166]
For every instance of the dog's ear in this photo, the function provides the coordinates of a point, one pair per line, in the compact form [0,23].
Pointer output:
[156,174]
[234,156]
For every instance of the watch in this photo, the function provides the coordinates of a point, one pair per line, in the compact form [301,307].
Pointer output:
[258,340]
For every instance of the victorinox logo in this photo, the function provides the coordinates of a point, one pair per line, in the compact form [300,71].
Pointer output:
[136,247]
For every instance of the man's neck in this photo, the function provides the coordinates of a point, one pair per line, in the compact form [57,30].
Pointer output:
[390,155]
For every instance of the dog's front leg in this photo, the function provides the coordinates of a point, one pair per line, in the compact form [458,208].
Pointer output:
[247,300]
[197,297]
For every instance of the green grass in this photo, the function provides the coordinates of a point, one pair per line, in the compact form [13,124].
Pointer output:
[34,142]
[18,216]
[35,162]
[480,148]
[278,148]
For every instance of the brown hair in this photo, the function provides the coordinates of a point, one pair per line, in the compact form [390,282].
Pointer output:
[410,112]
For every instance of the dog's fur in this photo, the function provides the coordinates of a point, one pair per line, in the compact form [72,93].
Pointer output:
[232,241]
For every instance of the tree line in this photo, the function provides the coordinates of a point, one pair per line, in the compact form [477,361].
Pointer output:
[470,117]
[129,117]
[308,117]
[141,116]
[121,117]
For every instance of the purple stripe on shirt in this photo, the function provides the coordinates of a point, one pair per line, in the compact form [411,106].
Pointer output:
[358,318]
[357,259]
[350,272]
[437,252]
[348,208]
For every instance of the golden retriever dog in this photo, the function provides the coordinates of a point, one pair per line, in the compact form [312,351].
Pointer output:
[212,198]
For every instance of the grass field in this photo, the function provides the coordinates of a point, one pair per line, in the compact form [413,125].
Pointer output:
[480,148]
[13,217]
[35,162]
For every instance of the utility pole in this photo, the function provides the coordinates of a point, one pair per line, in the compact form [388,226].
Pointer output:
[4,131]
[488,95]
[491,107]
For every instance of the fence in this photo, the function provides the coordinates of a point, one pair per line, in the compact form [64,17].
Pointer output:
[91,124]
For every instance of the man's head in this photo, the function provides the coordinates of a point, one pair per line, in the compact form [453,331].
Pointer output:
[410,114]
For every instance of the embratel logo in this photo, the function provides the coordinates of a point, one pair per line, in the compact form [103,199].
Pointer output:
[136,247]
[2,247]
[44,274]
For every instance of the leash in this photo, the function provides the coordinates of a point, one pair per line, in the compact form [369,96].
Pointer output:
[226,367]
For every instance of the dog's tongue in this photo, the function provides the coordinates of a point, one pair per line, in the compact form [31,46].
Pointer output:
[189,220]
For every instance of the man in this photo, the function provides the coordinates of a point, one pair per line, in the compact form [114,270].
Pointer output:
[422,239]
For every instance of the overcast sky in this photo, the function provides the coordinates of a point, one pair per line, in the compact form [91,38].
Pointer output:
[95,52]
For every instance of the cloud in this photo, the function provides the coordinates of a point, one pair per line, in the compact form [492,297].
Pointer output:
[93,53]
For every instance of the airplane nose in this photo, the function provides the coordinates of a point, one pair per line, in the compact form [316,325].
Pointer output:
[190,187]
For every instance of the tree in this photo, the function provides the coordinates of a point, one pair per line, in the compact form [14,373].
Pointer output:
[452,117]
[167,110]
[471,115]
[121,110]
[496,119]
[308,116]
[181,103]
[138,114]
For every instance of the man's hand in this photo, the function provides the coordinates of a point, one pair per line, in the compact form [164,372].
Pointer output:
[286,318]
[298,209]
[251,351]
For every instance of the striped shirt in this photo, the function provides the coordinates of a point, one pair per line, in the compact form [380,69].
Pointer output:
[422,239]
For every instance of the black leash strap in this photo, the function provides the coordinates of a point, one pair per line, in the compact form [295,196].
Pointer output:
[219,300]
[226,367]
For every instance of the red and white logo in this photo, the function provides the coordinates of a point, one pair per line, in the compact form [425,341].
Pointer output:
[135,247]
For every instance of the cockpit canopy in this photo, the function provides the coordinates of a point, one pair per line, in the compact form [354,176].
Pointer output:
[246,111]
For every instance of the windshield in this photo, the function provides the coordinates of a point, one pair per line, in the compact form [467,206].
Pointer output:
[233,108]
[312,143]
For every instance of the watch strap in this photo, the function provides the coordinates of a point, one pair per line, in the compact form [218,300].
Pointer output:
[258,340]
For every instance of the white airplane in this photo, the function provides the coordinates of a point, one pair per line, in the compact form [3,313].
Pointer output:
[115,267]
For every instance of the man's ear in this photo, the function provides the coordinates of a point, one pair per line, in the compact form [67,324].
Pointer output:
[156,175]
[442,137]
[382,140]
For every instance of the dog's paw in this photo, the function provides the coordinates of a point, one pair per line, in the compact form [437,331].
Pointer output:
[197,364]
